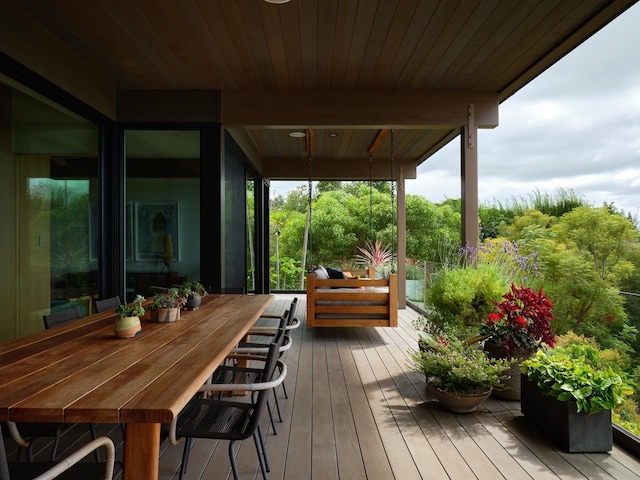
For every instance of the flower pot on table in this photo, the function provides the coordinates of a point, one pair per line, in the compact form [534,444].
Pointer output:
[573,431]
[127,327]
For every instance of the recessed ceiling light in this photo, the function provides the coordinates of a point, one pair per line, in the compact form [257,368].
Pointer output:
[333,134]
[277,1]
[297,134]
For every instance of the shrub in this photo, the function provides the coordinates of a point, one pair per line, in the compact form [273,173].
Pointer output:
[465,296]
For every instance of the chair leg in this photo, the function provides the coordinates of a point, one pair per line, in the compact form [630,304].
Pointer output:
[284,390]
[275,396]
[185,456]
[273,423]
[261,459]
[94,435]
[264,450]
[232,459]
[54,451]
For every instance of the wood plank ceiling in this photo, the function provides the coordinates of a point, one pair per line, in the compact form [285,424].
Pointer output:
[319,47]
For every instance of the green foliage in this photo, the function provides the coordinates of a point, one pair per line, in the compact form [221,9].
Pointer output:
[452,366]
[192,288]
[465,296]
[584,259]
[170,299]
[134,309]
[530,218]
[577,372]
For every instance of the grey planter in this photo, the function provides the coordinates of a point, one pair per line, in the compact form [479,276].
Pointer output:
[573,432]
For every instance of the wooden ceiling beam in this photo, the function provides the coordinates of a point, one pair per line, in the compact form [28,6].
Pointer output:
[370,110]
[332,169]
[378,140]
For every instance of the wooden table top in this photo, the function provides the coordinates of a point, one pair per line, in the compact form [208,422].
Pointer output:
[81,372]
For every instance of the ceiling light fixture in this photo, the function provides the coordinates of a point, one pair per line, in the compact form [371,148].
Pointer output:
[295,134]
[277,1]
[333,134]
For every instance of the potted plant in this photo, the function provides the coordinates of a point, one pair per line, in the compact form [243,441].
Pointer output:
[166,306]
[570,391]
[459,375]
[193,291]
[515,329]
[128,322]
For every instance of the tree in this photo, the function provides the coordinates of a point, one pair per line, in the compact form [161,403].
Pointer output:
[584,258]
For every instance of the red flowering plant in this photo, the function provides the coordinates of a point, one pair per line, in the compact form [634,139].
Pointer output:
[521,322]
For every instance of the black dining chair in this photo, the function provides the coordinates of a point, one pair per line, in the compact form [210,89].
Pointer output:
[106,304]
[62,316]
[220,419]
[71,468]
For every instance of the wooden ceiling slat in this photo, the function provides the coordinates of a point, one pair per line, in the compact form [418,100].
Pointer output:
[380,32]
[496,31]
[346,17]
[524,45]
[461,41]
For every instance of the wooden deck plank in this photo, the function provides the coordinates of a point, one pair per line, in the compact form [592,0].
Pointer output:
[369,364]
[372,450]
[324,462]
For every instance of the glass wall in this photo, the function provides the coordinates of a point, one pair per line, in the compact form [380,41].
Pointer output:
[162,209]
[49,205]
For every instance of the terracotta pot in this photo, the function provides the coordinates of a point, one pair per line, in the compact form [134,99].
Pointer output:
[458,403]
[127,327]
[166,315]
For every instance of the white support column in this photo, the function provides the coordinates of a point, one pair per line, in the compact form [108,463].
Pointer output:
[402,241]
[469,179]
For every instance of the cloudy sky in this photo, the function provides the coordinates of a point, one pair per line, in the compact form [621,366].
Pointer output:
[576,126]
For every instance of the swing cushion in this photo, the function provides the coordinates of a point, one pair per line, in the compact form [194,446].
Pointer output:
[336,274]
[320,272]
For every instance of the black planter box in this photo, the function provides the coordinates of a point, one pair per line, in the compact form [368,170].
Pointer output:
[573,432]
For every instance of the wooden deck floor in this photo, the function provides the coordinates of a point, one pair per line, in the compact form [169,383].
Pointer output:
[356,411]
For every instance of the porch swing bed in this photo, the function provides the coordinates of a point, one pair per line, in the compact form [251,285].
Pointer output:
[364,301]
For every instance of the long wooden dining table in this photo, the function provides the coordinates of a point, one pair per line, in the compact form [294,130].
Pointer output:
[81,372]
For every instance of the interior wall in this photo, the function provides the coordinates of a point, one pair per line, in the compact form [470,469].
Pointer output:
[8,253]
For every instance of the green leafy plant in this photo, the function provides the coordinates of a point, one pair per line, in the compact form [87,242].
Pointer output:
[465,296]
[134,309]
[450,365]
[578,372]
[171,299]
[193,288]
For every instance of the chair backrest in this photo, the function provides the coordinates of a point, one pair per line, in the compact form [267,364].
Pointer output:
[267,375]
[292,311]
[107,304]
[284,320]
[63,316]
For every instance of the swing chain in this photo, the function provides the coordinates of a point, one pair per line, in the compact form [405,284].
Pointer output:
[310,262]
[393,210]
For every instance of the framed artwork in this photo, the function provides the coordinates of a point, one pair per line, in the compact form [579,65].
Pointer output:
[156,231]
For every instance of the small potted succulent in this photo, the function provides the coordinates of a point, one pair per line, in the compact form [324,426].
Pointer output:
[459,375]
[166,306]
[570,392]
[193,291]
[128,322]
